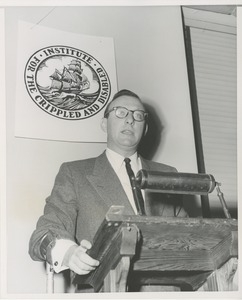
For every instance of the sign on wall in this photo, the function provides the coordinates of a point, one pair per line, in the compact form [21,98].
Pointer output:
[64,82]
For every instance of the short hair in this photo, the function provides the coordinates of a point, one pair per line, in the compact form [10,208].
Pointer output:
[120,93]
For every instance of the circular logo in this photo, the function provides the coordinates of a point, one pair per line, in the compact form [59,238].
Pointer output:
[67,83]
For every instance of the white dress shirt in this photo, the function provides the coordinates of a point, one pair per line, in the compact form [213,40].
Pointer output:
[117,162]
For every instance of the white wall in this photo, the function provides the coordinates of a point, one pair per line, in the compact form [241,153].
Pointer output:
[150,60]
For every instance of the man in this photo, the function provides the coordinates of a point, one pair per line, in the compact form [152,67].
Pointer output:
[84,190]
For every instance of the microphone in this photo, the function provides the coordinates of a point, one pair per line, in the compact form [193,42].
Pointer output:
[180,183]
[175,182]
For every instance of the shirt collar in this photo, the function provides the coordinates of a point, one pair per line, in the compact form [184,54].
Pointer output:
[116,160]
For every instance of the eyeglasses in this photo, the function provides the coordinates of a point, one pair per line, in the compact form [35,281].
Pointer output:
[122,112]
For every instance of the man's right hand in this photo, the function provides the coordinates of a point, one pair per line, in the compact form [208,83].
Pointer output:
[78,260]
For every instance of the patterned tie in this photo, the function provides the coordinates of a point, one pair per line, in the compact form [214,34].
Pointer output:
[138,198]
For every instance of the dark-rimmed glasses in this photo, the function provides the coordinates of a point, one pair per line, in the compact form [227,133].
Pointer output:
[122,112]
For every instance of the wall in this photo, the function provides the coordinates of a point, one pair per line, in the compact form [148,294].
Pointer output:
[150,60]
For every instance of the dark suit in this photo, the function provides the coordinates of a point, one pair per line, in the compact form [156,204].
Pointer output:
[82,194]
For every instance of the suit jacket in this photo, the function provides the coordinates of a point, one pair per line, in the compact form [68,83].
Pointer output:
[83,192]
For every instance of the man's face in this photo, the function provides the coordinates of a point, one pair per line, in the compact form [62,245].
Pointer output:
[124,135]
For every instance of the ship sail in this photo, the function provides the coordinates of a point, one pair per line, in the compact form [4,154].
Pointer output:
[71,79]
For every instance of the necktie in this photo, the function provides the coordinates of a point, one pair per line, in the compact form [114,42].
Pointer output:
[138,198]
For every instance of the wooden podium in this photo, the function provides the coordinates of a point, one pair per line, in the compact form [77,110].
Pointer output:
[187,253]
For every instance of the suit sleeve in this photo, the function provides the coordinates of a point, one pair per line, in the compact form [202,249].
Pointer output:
[59,218]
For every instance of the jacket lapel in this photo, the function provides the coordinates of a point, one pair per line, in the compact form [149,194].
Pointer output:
[107,184]
[147,195]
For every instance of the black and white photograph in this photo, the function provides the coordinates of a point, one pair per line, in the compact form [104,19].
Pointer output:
[120,161]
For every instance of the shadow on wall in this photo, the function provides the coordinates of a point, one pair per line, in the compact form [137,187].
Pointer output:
[152,138]
[148,148]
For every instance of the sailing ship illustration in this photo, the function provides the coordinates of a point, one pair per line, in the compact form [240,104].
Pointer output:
[70,80]
[69,87]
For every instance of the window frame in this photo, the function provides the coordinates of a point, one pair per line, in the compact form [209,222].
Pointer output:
[207,21]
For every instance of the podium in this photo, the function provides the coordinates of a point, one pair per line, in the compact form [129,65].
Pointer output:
[187,253]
